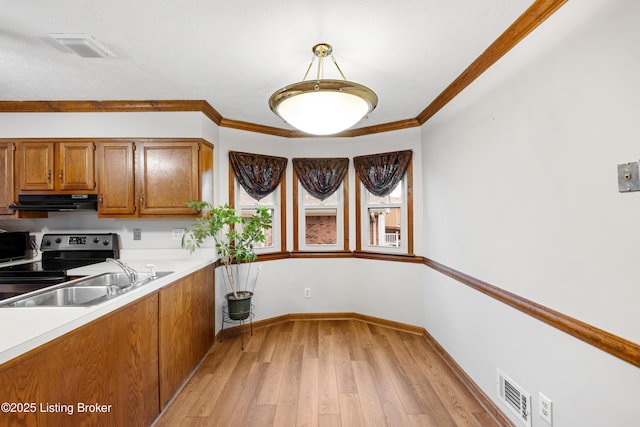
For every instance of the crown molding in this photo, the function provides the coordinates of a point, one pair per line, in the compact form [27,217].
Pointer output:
[381,128]
[254,127]
[111,106]
[81,106]
[537,13]
[286,133]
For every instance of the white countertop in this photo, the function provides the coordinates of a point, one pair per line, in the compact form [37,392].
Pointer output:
[25,328]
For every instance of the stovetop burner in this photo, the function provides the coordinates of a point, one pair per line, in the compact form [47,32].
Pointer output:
[29,267]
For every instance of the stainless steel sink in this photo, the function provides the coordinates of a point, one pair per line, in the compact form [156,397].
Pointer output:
[120,279]
[85,292]
[64,297]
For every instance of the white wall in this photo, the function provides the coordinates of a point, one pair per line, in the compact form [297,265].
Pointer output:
[520,190]
[386,290]
[156,233]
[103,125]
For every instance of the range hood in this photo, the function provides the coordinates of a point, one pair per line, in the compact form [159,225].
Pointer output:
[55,202]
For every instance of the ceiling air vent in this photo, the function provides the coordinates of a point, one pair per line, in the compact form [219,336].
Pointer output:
[515,398]
[83,45]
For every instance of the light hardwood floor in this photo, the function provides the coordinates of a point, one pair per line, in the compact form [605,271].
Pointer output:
[325,373]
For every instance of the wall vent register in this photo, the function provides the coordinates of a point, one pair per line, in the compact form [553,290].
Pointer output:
[515,398]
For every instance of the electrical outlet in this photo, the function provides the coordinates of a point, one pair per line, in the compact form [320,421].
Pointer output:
[544,408]
[307,292]
[137,234]
[177,233]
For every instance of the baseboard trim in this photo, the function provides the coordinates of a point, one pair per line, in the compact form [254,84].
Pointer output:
[473,388]
[499,417]
[236,330]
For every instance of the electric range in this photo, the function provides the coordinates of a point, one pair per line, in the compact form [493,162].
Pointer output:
[60,253]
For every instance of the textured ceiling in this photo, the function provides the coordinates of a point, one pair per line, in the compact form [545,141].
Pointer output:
[235,54]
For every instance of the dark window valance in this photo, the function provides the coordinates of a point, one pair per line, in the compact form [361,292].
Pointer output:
[381,173]
[321,177]
[258,174]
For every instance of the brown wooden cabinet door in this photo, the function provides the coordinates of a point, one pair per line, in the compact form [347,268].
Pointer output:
[6,177]
[186,325]
[116,189]
[112,361]
[75,167]
[35,165]
[167,177]
[49,166]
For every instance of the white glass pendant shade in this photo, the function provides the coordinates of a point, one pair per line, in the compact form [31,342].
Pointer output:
[323,106]
[322,112]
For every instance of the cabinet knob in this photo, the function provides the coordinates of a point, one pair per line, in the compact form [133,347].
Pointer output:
[49,175]
[61,175]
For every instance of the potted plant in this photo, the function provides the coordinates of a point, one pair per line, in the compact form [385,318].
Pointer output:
[235,238]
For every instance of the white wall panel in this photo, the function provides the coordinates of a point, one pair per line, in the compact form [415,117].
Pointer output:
[101,125]
[520,190]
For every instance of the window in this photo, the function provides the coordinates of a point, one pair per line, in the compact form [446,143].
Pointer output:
[385,219]
[321,223]
[320,204]
[256,181]
[383,203]
[246,206]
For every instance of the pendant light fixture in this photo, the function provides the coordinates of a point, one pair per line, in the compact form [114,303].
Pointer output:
[323,106]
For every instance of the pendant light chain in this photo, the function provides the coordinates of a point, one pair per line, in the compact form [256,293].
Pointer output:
[320,55]
[320,72]
[338,67]
[308,68]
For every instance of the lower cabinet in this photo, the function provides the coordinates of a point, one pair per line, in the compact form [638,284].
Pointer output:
[119,370]
[103,374]
[187,330]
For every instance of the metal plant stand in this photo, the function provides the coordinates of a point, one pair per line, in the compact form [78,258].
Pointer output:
[240,323]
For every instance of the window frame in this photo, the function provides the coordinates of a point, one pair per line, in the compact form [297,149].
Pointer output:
[342,216]
[362,209]
[278,226]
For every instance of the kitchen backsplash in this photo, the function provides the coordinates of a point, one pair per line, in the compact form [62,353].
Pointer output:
[154,233]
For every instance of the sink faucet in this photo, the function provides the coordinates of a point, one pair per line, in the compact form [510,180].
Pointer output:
[152,271]
[130,272]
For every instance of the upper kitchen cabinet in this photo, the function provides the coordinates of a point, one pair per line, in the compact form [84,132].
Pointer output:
[66,167]
[6,177]
[153,177]
[167,177]
[116,184]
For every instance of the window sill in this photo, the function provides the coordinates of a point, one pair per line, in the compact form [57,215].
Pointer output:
[341,254]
